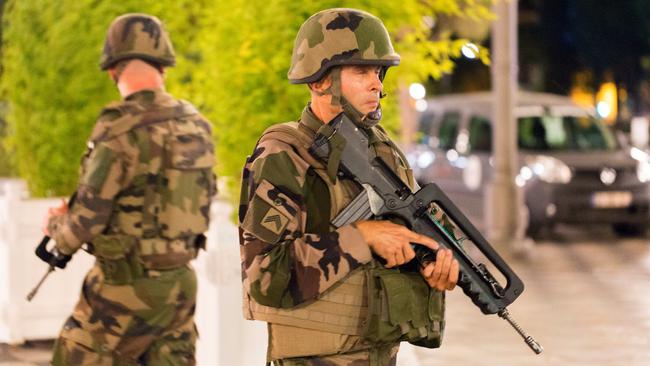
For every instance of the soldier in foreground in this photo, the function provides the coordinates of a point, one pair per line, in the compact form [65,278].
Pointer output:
[311,282]
[143,200]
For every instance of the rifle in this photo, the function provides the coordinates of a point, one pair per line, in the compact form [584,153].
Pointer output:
[51,257]
[386,195]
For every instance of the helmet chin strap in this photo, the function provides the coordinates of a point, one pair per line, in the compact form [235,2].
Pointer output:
[338,100]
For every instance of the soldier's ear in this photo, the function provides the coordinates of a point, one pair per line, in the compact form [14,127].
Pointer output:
[112,73]
[320,86]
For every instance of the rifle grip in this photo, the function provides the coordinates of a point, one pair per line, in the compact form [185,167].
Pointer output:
[477,296]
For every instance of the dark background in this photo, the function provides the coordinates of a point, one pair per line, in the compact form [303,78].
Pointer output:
[565,44]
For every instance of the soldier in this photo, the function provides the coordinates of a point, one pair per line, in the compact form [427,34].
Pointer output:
[326,299]
[143,201]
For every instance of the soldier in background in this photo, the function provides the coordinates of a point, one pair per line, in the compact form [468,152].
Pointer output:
[314,284]
[143,201]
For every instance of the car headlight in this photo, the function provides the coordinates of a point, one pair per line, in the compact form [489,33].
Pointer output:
[639,155]
[548,169]
[643,164]
[643,171]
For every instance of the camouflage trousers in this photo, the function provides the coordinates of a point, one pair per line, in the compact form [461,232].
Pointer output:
[148,322]
[378,356]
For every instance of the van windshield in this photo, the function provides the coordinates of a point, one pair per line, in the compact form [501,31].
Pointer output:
[564,133]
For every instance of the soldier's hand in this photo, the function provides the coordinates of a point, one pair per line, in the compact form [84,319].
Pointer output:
[392,242]
[443,273]
[62,209]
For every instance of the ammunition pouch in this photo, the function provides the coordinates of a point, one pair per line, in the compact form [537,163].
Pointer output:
[163,254]
[115,257]
[125,258]
[402,307]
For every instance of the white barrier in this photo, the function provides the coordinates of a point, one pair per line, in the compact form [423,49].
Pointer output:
[20,270]
[225,338]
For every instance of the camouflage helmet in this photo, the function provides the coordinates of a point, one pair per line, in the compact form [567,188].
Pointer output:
[339,36]
[140,36]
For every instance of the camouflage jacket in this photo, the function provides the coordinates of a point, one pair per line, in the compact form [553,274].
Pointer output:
[125,157]
[290,253]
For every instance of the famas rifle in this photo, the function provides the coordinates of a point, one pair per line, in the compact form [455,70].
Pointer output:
[385,195]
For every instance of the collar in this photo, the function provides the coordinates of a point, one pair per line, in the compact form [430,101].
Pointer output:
[309,120]
[149,96]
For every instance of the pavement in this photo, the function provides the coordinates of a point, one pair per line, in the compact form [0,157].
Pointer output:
[34,353]
[587,301]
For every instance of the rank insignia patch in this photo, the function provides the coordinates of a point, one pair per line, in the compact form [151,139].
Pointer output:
[274,221]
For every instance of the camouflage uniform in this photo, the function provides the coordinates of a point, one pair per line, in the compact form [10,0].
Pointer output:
[143,201]
[300,274]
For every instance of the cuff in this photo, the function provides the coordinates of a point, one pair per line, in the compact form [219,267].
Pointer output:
[352,242]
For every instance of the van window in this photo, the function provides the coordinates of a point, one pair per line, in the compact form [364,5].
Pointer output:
[448,130]
[564,133]
[424,128]
[532,134]
[480,134]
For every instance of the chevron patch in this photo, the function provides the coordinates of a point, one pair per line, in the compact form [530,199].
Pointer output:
[274,221]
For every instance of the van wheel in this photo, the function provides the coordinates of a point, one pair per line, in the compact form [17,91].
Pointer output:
[534,226]
[629,230]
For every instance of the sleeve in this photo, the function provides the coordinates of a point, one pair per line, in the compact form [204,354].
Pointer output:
[282,265]
[104,174]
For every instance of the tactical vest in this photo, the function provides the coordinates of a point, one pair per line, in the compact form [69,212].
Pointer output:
[343,309]
[159,220]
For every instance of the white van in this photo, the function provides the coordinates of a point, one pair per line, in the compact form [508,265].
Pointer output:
[572,168]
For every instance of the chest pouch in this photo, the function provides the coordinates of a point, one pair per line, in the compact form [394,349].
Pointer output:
[402,307]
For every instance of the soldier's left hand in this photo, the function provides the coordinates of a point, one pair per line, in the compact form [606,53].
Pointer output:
[62,209]
[443,273]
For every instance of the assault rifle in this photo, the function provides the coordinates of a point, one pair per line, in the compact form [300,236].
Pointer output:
[51,257]
[384,195]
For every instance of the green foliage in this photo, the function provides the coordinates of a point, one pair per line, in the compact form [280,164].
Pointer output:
[5,166]
[232,62]
[52,81]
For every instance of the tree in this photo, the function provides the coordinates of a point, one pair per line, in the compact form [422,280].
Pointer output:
[232,62]
[52,81]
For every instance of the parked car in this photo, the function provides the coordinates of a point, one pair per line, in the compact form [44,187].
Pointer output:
[572,168]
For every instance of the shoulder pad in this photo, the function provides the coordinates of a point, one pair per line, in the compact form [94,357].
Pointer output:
[287,132]
[290,133]
[132,116]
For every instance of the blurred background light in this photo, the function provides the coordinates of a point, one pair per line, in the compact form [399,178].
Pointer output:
[421,105]
[470,50]
[603,109]
[417,91]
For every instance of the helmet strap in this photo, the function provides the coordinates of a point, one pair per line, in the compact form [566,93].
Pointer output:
[338,100]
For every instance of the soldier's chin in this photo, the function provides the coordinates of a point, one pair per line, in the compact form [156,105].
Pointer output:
[375,114]
[368,108]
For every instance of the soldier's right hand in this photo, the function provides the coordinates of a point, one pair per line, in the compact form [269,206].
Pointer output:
[62,209]
[392,242]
